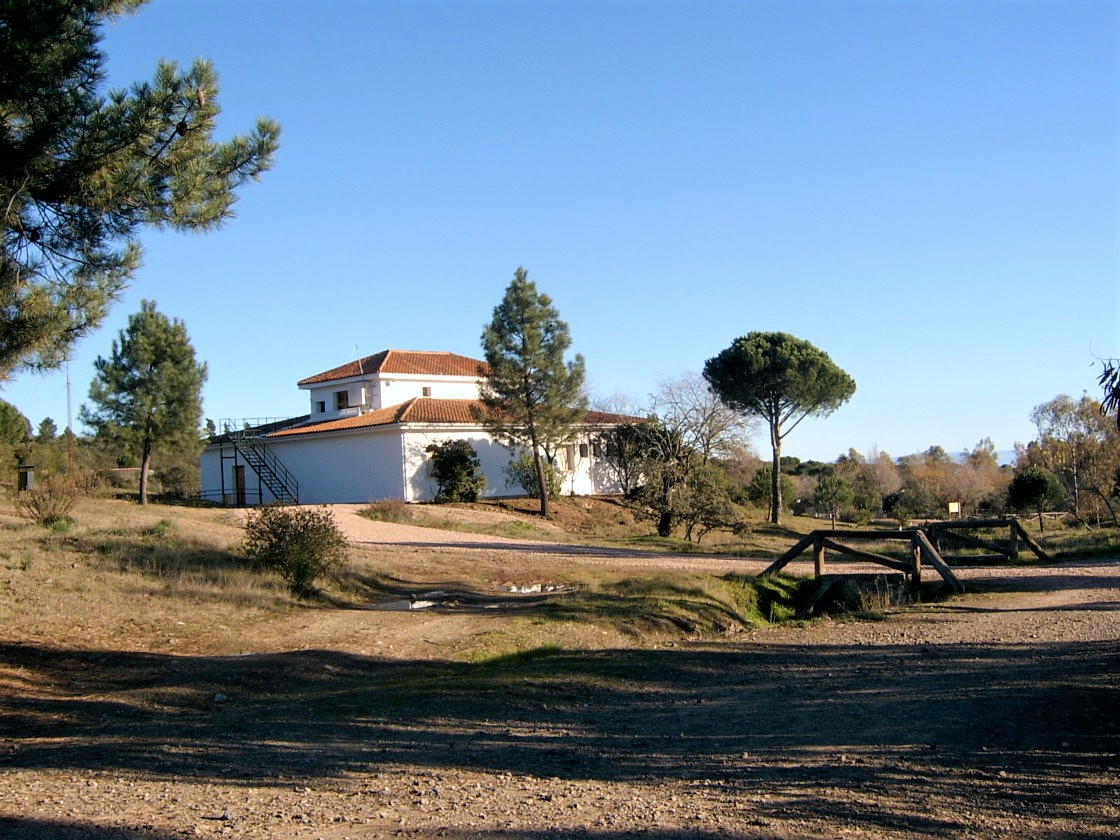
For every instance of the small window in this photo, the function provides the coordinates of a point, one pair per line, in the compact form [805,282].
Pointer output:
[427,391]
[320,406]
[583,450]
[597,449]
[341,399]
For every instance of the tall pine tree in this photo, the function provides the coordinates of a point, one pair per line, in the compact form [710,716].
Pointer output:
[782,379]
[533,398]
[148,393]
[83,172]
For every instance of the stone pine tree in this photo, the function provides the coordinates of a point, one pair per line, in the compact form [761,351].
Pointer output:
[781,379]
[83,172]
[147,395]
[531,395]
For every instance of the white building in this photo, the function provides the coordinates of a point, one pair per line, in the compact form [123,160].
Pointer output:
[365,437]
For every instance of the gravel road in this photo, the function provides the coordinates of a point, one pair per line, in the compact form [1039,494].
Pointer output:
[989,715]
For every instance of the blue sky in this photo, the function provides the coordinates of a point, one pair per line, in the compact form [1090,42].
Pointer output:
[928,191]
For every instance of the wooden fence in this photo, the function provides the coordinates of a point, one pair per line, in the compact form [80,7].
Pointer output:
[924,547]
[946,533]
[920,552]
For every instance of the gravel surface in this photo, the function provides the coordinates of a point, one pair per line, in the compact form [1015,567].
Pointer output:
[989,715]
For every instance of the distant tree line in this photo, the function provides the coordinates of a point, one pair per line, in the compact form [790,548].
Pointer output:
[1073,465]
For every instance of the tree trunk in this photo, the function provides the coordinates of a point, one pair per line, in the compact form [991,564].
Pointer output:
[145,462]
[776,478]
[542,484]
[665,524]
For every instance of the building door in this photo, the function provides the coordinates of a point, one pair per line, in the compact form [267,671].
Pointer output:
[239,484]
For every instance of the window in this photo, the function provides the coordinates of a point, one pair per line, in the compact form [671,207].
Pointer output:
[565,455]
[597,449]
[341,399]
[583,450]
[320,406]
[427,392]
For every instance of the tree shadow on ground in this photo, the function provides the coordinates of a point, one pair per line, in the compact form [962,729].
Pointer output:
[19,828]
[1033,722]
[1050,577]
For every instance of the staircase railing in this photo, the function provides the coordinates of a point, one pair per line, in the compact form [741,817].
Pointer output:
[279,480]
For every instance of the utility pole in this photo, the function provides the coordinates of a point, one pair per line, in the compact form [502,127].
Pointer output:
[70,454]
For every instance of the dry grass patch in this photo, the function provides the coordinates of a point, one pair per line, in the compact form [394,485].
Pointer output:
[127,577]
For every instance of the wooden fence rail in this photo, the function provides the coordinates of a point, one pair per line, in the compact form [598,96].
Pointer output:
[921,550]
[940,532]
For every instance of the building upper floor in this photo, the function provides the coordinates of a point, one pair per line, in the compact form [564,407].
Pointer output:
[389,378]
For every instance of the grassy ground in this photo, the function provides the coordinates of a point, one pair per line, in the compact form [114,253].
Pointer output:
[609,522]
[173,577]
[131,710]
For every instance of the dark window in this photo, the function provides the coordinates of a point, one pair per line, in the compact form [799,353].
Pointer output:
[597,449]
[583,450]
[341,399]
[427,391]
[320,406]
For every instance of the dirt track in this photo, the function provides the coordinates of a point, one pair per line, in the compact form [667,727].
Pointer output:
[991,715]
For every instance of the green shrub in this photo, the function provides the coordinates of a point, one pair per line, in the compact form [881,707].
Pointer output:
[457,471]
[523,473]
[179,481]
[301,544]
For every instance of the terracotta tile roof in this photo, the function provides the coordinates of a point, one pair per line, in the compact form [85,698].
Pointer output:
[605,418]
[416,410]
[427,410]
[429,363]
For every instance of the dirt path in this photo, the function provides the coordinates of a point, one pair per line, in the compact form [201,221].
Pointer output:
[991,715]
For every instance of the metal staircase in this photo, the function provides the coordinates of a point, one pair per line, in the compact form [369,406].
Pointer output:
[249,445]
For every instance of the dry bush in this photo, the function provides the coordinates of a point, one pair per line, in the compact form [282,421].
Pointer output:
[50,502]
[302,544]
[389,510]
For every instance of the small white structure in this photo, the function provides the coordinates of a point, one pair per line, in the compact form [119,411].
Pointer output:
[366,434]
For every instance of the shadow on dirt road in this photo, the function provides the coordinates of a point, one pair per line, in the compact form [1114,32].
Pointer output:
[750,716]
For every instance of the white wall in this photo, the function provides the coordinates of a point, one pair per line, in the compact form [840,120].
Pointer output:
[373,393]
[209,464]
[492,456]
[401,389]
[359,393]
[354,466]
[363,465]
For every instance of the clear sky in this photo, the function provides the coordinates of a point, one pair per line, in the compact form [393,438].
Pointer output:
[928,191]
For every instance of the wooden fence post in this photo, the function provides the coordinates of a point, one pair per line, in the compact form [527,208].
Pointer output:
[916,556]
[818,555]
[934,537]
[1013,548]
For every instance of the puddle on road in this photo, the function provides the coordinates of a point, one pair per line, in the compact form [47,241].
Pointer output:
[508,597]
